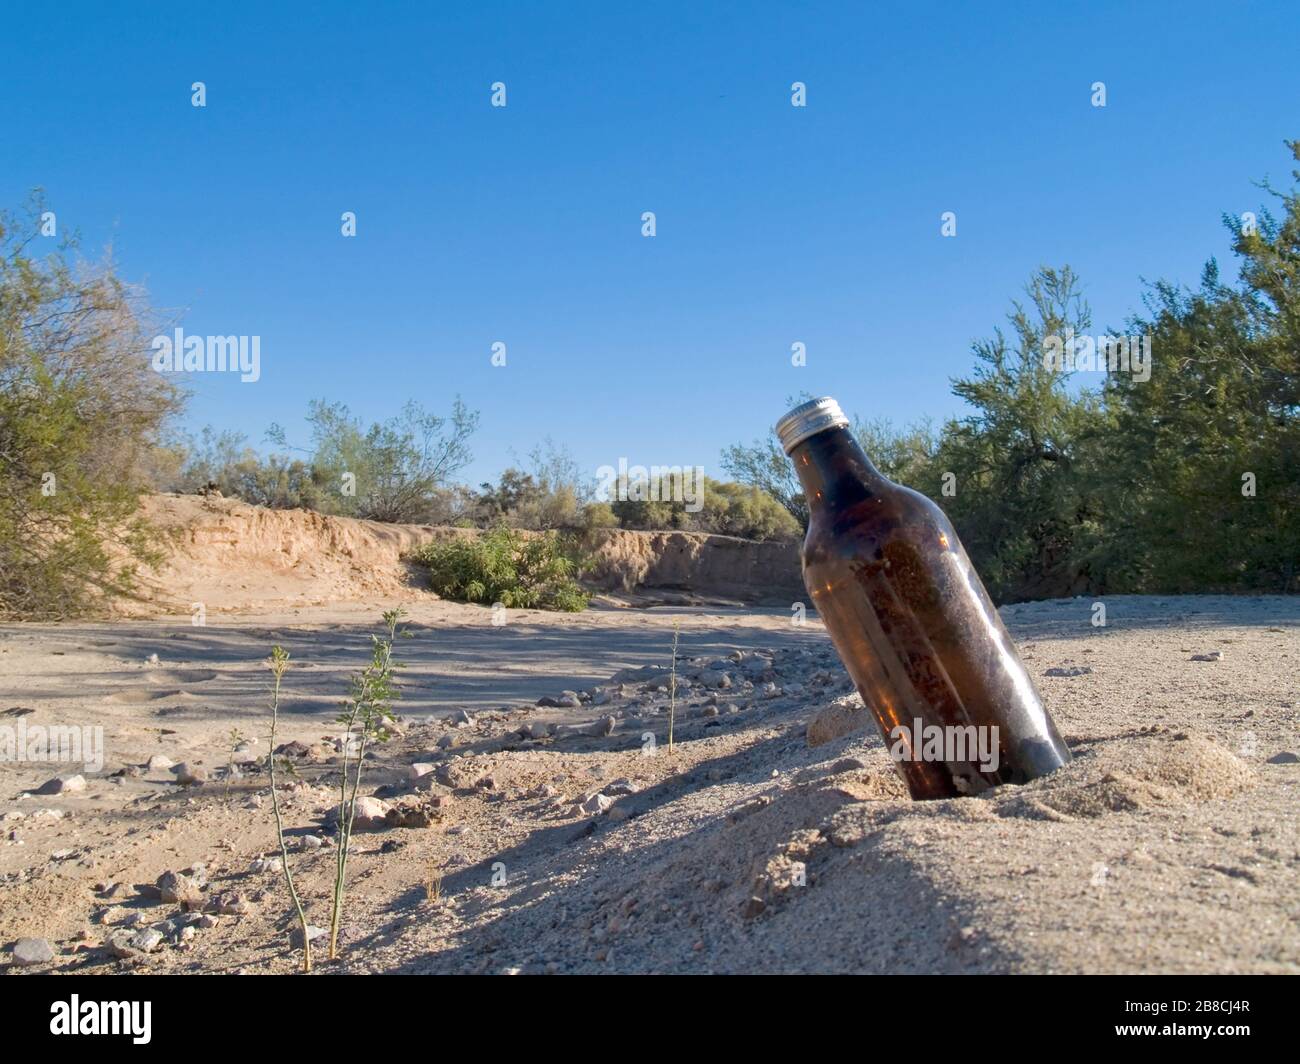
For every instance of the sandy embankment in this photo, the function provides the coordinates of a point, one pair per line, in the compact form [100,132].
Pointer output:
[1171,844]
[231,557]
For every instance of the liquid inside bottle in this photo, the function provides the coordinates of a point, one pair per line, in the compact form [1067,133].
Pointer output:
[912,622]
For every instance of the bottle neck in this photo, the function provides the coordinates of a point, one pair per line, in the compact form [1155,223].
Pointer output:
[832,467]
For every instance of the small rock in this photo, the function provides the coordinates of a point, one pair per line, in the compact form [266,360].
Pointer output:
[267,864]
[413,812]
[71,784]
[599,729]
[159,763]
[368,813]
[596,804]
[419,770]
[231,903]
[187,774]
[1073,670]
[122,944]
[310,842]
[175,887]
[1286,757]
[148,940]
[1213,655]
[313,933]
[840,718]
[28,951]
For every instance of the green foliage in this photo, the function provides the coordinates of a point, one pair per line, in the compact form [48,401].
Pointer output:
[80,413]
[365,720]
[763,464]
[1134,486]
[1221,405]
[722,508]
[1024,504]
[396,468]
[505,565]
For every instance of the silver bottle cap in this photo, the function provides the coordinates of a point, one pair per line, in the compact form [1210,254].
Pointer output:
[807,419]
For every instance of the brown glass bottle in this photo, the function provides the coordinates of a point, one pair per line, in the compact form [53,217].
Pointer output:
[912,622]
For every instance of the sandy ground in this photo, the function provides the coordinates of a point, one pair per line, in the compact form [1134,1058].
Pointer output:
[1170,845]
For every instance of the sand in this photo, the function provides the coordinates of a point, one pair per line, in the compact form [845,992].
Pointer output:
[1169,845]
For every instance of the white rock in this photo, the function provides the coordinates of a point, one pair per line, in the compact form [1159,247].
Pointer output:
[71,784]
[596,804]
[148,940]
[313,933]
[368,813]
[32,951]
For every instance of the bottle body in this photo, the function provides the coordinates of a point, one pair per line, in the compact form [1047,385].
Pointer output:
[916,629]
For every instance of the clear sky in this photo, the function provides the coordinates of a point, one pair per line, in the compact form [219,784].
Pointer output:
[522,224]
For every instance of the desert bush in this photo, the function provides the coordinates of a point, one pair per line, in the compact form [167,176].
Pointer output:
[732,509]
[725,508]
[506,566]
[550,493]
[1179,482]
[395,468]
[81,410]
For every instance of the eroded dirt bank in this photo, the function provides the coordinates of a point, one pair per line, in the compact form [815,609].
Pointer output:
[229,556]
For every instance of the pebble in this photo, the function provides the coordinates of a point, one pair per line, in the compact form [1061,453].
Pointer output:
[159,763]
[148,940]
[313,933]
[596,804]
[243,754]
[178,888]
[187,774]
[28,951]
[232,904]
[63,785]
[1213,655]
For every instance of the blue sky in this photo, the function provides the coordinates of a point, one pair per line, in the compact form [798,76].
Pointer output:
[522,224]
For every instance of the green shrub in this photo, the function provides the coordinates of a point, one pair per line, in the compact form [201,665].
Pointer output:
[504,565]
[80,414]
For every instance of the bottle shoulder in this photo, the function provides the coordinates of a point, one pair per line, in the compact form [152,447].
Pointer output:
[899,514]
